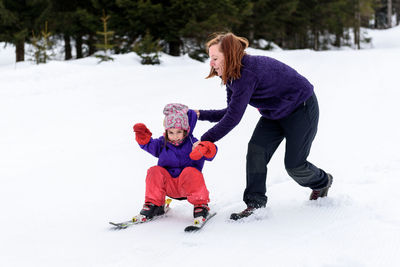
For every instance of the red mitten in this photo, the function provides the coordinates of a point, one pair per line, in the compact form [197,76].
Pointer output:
[204,148]
[143,134]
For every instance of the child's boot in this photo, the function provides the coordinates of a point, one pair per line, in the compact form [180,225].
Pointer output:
[150,210]
[201,211]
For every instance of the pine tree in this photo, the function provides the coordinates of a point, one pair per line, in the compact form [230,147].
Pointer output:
[148,50]
[360,9]
[202,18]
[139,16]
[61,15]
[106,46]
[18,19]
[42,44]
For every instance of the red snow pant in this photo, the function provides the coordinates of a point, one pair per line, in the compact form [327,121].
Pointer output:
[189,184]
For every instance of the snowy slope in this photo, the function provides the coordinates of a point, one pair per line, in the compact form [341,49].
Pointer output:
[69,164]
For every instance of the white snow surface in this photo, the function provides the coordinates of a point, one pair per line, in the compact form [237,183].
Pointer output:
[69,164]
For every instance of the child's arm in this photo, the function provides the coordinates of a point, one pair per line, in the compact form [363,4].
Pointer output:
[205,149]
[146,142]
[142,134]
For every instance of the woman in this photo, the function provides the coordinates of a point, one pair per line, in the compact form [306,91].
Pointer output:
[288,107]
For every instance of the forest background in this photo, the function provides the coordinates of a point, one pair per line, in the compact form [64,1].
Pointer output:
[178,27]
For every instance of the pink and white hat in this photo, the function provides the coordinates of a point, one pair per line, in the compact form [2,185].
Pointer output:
[176,116]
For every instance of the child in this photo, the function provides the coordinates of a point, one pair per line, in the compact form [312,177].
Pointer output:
[178,172]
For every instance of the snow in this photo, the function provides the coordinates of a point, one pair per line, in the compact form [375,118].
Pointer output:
[69,165]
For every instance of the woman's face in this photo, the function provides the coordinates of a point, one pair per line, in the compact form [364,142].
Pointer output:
[216,59]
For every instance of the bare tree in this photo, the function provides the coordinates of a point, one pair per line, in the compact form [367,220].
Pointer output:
[389,13]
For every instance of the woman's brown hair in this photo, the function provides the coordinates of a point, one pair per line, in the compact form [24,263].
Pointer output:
[233,48]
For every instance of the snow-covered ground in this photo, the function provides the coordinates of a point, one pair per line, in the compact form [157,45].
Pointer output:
[69,164]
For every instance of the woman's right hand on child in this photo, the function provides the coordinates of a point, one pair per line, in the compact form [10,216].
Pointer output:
[143,134]
[195,144]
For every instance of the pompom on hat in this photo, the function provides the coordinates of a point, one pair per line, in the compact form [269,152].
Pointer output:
[176,116]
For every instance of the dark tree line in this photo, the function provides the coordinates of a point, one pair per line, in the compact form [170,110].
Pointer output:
[182,26]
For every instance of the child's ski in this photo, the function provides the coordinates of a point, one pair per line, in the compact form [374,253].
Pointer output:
[199,223]
[140,218]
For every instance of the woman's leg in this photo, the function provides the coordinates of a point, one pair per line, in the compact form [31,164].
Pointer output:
[300,129]
[265,140]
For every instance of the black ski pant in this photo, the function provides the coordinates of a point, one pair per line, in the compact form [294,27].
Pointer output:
[299,128]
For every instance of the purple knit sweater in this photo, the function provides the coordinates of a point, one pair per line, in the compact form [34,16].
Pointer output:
[267,84]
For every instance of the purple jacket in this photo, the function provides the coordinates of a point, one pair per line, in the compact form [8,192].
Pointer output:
[267,84]
[175,158]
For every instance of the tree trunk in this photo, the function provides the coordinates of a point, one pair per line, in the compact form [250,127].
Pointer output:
[78,45]
[338,37]
[174,48]
[316,40]
[389,13]
[357,24]
[20,51]
[92,47]
[67,47]
[251,34]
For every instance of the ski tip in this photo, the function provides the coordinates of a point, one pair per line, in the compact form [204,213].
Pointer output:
[118,226]
[192,228]
[198,225]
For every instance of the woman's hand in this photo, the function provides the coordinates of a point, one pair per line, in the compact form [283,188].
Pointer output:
[197,112]
[195,144]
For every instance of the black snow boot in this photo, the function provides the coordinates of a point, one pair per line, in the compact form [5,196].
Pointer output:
[150,210]
[323,192]
[201,210]
[245,213]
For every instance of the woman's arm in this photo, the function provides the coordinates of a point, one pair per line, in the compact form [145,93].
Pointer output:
[215,115]
[241,92]
[211,115]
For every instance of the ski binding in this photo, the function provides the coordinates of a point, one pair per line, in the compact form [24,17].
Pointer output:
[138,219]
[199,223]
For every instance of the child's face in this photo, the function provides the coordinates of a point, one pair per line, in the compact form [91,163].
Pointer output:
[175,134]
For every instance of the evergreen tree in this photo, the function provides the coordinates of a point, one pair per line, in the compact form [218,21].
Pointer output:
[139,16]
[42,46]
[18,18]
[205,17]
[360,9]
[86,18]
[117,22]
[106,45]
[148,50]
[75,20]
[183,25]
[62,17]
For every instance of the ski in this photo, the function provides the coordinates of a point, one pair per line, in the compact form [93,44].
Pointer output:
[199,223]
[138,219]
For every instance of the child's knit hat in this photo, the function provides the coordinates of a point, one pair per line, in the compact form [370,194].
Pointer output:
[176,116]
